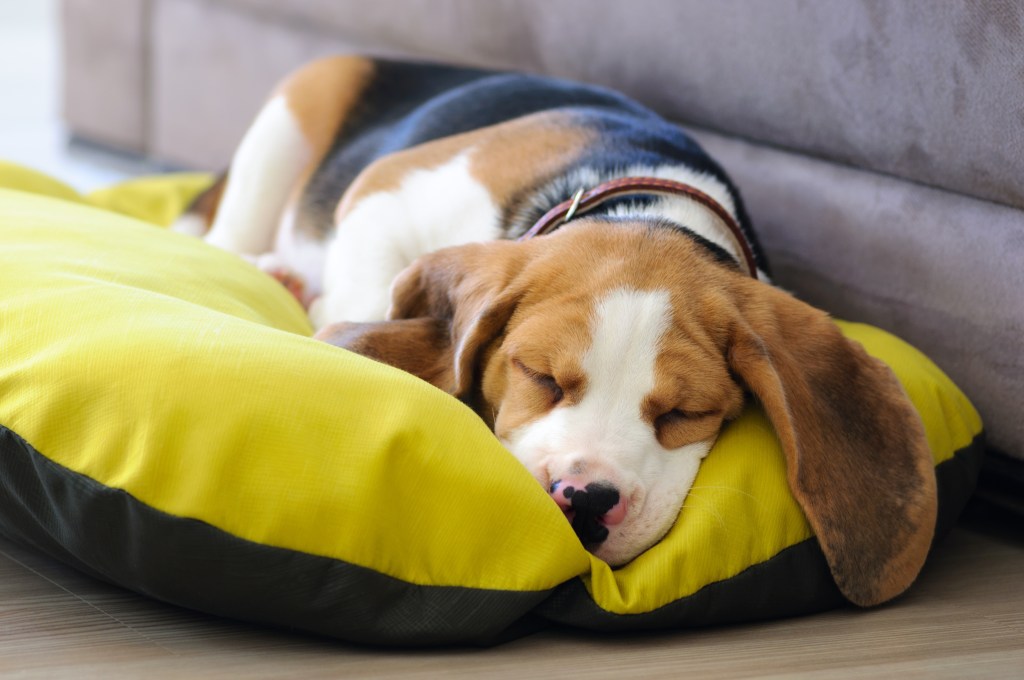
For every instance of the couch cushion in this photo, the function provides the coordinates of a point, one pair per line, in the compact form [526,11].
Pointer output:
[928,91]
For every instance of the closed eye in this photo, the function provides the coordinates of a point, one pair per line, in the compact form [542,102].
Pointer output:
[676,416]
[546,381]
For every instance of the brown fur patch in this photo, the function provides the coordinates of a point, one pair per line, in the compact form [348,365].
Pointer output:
[321,95]
[564,278]
[506,158]
[464,292]
[205,204]
[857,457]
[419,346]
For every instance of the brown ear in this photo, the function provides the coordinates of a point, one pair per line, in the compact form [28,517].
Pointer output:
[856,454]
[445,307]
[417,346]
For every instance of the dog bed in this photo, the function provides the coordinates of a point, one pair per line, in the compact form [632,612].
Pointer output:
[168,425]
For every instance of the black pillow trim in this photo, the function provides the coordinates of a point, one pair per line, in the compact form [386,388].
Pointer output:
[794,582]
[112,536]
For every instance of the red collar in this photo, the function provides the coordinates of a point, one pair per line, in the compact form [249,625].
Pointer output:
[585,201]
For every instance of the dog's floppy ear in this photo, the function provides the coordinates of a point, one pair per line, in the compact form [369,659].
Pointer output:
[445,307]
[856,454]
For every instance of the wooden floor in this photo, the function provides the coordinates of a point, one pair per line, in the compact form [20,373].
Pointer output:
[963,619]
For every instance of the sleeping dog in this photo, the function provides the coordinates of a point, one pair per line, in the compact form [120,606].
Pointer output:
[584,276]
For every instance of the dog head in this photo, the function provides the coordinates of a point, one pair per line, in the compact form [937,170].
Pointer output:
[608,356]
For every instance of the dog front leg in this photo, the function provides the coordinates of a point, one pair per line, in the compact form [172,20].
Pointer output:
[290,136]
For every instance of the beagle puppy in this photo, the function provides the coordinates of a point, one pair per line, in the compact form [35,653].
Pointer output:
[583,275]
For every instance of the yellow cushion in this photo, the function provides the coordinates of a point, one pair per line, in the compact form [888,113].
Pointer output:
[18,177]
[218,457]
[159,199]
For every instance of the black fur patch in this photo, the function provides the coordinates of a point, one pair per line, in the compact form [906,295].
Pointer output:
[409,104]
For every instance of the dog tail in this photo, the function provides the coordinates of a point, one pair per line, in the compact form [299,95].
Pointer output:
[198,216]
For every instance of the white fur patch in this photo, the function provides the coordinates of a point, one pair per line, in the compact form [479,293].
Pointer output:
[687,212]
[619,365]
[604,437]
[300,253]
[678,209]
[266,165]
[192,225]
[386,231]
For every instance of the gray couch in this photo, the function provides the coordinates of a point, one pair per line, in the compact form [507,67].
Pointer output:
[879,145]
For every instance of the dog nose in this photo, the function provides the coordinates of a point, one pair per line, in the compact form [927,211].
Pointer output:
[591,507]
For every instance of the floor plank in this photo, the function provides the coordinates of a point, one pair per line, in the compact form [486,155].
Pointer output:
[964,618]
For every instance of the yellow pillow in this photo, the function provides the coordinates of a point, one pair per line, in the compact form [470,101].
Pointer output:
[20,178]
[167,424]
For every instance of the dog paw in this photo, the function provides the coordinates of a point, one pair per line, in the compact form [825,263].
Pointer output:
[271,265]
[292,282]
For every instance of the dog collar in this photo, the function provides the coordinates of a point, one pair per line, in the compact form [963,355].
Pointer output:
[585,201]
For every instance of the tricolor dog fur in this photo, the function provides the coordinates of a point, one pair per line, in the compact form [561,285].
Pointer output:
[608,354]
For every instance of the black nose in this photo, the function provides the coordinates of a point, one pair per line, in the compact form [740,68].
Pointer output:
[589,505]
